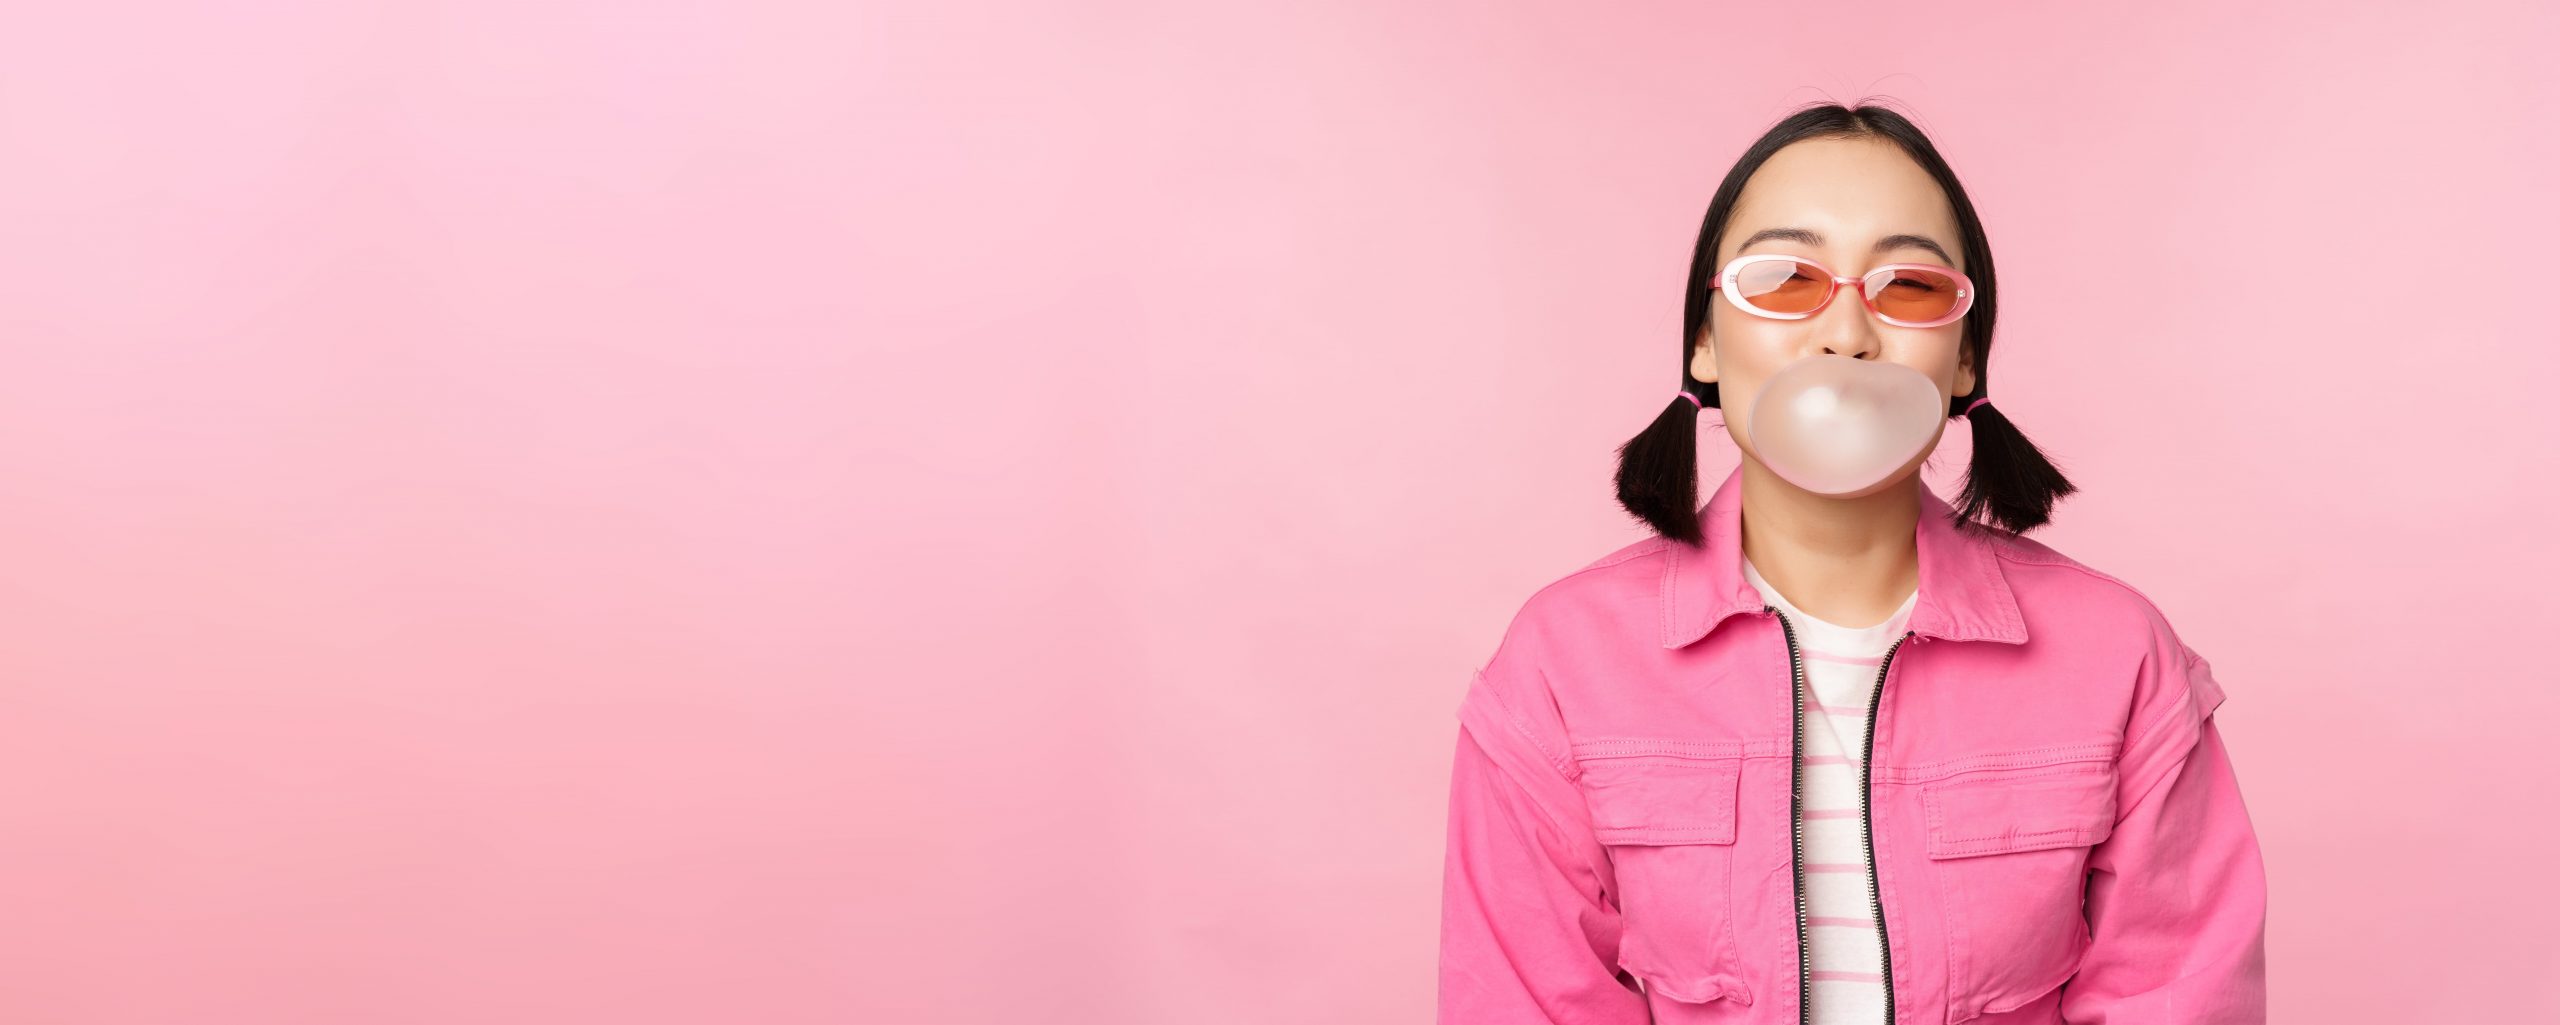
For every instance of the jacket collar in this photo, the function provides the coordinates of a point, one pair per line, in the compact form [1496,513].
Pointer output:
[1963,595]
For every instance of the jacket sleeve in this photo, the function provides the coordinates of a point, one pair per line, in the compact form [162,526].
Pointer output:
[1529,925]
[2177,894]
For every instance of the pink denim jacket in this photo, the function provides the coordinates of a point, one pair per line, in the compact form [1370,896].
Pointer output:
[1621,843]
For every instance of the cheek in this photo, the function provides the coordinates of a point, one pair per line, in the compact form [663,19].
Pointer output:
[1755,350]
[1938,354]
[1747,359]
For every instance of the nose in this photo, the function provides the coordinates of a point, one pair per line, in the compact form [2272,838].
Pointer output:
[1844,328]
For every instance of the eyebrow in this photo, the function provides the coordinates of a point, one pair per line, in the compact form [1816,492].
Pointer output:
[1810,237]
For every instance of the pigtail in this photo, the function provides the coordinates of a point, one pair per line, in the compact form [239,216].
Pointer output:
[1658,469]
[2010,482]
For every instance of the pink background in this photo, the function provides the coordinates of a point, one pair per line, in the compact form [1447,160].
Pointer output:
[980,514]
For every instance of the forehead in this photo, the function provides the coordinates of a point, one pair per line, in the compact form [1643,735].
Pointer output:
[1850,191]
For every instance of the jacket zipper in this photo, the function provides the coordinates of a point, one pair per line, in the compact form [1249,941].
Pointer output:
[1795,816]
[1866,829]
[1866,764]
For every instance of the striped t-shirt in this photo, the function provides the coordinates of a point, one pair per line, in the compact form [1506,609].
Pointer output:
[1840,665]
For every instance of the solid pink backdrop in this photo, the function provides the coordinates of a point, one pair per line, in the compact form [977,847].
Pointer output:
[981,514]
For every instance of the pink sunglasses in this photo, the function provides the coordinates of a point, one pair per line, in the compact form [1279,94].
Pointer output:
[1783,287]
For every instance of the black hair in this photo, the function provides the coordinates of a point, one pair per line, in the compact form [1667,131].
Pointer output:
[2009,484]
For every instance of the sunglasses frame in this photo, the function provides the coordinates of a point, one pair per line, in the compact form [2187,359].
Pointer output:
[1731,276]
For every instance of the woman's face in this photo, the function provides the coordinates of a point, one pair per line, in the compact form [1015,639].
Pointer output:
[1834,201]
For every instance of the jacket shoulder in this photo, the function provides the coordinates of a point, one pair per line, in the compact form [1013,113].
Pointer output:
[2048,581]
[1568,626]
[2045,576]
[1598,601]
[1589,616]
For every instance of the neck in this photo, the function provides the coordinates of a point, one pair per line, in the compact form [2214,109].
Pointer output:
[1851,561]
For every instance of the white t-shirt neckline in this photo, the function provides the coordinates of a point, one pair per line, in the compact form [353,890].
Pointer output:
[1830,636]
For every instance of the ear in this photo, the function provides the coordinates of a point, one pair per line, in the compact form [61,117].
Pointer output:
[1702,358]
[1965,377]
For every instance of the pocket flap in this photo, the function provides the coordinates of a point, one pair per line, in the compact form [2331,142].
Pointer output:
[2025,810]
[1662,799]
[1699,990]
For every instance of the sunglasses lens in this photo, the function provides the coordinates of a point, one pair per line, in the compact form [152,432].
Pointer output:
[1913,294]
[1781,286]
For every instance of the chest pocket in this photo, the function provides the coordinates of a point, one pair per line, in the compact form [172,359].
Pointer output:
[2011,850]
[1668,822]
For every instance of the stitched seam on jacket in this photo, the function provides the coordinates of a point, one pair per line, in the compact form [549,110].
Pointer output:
[2187,654]
[2186,697]
[1977,844]
[2060,754]
[2177,767]
[1563,767]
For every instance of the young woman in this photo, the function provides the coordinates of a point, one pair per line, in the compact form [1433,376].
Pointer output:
[1830,749]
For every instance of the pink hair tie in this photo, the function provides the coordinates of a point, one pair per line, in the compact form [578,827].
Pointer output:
[1693,400]
[1968,410]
